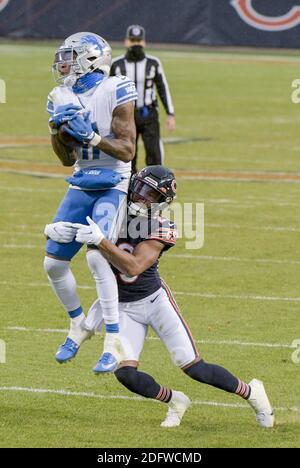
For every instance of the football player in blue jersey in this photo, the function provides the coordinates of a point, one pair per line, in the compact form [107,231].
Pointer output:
[97,111]
[145,300]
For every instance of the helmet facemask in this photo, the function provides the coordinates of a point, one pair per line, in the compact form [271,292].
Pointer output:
[81,53]
[146,200]
[65,69]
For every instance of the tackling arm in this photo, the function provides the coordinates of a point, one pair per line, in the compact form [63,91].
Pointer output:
[132,264]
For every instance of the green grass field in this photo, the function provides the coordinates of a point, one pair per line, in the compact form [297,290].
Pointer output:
[239,293]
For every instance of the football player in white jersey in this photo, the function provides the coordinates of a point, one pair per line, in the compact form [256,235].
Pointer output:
[145,300]
[98,113]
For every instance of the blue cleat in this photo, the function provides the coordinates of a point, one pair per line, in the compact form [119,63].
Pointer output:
[107,363]
[67,351]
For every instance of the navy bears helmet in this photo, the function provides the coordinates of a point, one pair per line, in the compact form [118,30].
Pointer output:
[151,190]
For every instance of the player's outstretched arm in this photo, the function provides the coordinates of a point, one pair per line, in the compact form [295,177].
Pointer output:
[122,146]
[143,256]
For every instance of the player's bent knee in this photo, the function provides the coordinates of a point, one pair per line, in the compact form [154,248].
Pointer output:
[181,355]
[54,267]
[200,371]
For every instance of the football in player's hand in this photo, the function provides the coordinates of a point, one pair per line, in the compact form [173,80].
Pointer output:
[65,138]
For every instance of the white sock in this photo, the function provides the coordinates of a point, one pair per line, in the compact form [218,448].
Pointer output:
[79,321]
[94,319]
[106,285]
[64,285]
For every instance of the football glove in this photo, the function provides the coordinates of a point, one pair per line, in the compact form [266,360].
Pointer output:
[82,129]
[62,114]
[62,232]
[91,234]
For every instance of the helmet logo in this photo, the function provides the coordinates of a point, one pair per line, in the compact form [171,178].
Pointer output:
[174,185]
[89,39]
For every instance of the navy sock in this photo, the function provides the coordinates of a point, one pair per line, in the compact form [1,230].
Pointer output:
[142,384]
[217,376]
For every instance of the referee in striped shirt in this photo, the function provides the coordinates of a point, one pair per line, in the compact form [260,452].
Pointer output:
[147,73]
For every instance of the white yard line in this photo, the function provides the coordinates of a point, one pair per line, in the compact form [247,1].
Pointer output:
[250,201]
[19,246]
[226,203]
[187,256]
[178,293]
[124,397]
[44,175]
[240,176]
[235,296]
[254,228]
[32,190]
[236,259]
[227,56]
[207,225]
[38,330]
[24,234]
[154,338]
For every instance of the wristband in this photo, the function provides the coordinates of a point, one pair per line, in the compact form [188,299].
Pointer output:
[95,140]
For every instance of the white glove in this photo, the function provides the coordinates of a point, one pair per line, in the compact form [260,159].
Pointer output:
[91,235]
[62,232]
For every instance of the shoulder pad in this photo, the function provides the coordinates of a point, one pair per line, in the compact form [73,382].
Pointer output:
[165,232]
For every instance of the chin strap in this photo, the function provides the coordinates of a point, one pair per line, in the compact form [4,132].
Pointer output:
[88,81]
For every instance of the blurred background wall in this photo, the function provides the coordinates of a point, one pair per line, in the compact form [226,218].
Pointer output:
[266,23]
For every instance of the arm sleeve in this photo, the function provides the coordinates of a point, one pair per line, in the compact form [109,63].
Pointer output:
[163,89]
[50,105]
[124,91]
[53,101]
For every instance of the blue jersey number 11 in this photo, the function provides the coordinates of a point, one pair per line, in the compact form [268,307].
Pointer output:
[85,147]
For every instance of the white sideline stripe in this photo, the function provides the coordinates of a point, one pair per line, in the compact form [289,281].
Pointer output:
[178,293]
[124,397]
[154,338]
[237,259]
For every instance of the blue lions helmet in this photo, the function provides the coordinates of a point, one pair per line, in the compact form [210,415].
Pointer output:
[81,53]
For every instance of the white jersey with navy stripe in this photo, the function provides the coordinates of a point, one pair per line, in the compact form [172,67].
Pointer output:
[101,102]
